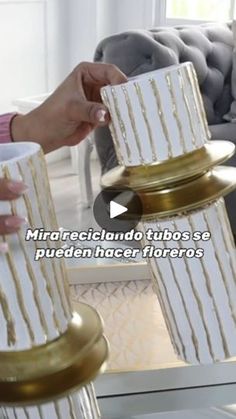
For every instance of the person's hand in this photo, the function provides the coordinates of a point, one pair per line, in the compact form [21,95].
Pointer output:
[10,190]
[72,111]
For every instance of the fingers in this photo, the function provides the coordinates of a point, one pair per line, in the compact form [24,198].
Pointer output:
[91,112]
[90,77]
[11,223]
[101,73]
[11,189]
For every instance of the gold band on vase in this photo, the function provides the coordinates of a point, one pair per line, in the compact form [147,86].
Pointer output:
[60,367]
[172,171]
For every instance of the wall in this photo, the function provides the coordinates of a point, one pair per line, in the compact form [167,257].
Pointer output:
[33,51]
[93,20]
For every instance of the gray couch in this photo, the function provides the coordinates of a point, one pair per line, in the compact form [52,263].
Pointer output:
[208,46]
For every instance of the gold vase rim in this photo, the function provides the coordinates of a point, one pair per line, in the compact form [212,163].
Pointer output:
[177,169]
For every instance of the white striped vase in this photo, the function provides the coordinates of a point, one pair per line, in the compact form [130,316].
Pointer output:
[34,298]
[198,295]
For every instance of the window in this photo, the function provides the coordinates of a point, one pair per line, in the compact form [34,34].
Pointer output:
[171,12]
[199,9]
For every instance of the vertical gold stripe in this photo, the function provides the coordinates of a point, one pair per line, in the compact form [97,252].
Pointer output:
[224,279]
[144,112]
[57,410]
[187,73]
[26,412]
[133,124]
[5,412]
[161,114]
[192,76]
[71,407]
[54,217]
[193,335]
[40,412]
[158,292]
[175,112]
[170,306]
[94,402]
[41,262]
[46,184]
[65,281]
[185,99]
[17,281]
[112,127]
[220,204]
[14,413]
[20,298]
[197,298]
[208,286]
[227,223]
[11,332]
[59,283]
[121,124]
[30,271]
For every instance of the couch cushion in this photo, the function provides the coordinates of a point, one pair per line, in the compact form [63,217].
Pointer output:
[226,131]
[208,47]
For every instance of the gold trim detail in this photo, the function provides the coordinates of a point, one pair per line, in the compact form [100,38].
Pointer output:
[19,294]
[133,124]
[181,350]
[185,99]
[198,300]
[121,124]
[71,408]
[112,127]
[210,293]
[161,114]
[11,332]
[175,112]
[41,262]
[198,115]
[193,76]
[144,112]
[160,175]
[182,197]
[66,364]
[193,336]
[222,273]
[63,298]
[53,216]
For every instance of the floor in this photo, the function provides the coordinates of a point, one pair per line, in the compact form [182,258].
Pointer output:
[65,187]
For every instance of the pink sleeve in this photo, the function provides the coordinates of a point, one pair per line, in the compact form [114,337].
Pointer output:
[5,127]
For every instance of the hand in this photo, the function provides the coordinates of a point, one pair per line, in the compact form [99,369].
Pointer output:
[72,111]
[10,190]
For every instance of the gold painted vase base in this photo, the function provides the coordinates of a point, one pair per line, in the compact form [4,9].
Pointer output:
[159,175]
[185,196]
[189,196]
[60,367]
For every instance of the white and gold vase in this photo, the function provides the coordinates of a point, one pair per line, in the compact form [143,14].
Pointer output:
[159,129]
[48,353]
